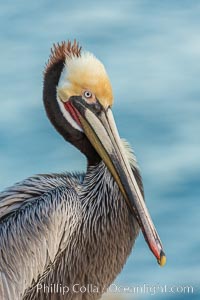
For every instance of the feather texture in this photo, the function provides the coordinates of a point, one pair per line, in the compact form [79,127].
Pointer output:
[61,229]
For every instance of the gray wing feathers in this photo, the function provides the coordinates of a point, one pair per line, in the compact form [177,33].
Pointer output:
[13,197]
[32,236]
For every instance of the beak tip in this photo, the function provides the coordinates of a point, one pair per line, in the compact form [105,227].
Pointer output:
[162,260]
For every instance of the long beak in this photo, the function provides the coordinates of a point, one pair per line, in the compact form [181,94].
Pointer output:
[102,132]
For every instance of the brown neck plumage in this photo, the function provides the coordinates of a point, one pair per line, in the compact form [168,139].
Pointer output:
[52,74]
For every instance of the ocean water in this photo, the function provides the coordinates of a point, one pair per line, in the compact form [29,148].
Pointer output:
[151,50]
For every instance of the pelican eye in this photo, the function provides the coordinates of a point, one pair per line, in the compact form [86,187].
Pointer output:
[87,94]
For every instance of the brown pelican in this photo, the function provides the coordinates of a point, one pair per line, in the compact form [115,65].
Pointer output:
[67,236]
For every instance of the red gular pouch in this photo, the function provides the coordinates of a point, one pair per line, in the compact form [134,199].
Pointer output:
[73,112]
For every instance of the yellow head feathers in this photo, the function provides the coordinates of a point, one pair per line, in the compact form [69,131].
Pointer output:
[85,72]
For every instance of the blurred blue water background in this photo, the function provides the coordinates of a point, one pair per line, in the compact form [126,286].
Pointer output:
[151,50]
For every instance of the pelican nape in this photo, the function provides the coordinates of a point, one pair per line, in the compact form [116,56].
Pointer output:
[74,230]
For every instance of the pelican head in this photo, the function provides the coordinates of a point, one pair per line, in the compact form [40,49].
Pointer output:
[78,99]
